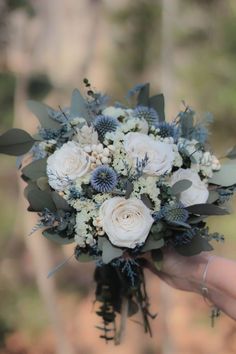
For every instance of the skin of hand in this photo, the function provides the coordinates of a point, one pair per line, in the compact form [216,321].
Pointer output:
[186,273]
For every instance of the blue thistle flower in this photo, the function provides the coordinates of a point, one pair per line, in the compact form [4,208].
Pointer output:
[174,213]
[149,114]
[105,124]
[104,179]
[168,130]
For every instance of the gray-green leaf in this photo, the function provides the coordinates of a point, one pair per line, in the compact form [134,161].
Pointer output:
[40,110]
[52,235]
[206,209]
[158,103]
[180,186]
[143,96]
[110,252]
[16,142]
[78,106]
[226,176]
[152,244]
[197,245]
[157,257]
[60,202]
[35,169]
[39,200]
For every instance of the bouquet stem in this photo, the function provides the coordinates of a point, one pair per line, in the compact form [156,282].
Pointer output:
[123,320]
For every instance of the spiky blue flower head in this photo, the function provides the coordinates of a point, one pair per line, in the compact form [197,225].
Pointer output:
[149,114]
[173,213]
[104,124]
[104,179]
[168,130]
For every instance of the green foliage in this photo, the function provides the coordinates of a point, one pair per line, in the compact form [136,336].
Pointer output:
[156,102]
[196,246]
[16,142]
[180,186]
[226,176]
[206,209]
[109,252]
[53,235]
[35,169]
[41,110]
[39,200]
[78,106]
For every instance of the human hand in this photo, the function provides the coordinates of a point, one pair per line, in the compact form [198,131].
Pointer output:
[181,272]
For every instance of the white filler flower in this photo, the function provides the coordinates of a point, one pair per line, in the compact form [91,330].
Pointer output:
[197,193]
[127,222]
[160,155]
[66,164]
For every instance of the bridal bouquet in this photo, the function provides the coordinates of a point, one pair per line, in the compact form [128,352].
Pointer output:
[121,183]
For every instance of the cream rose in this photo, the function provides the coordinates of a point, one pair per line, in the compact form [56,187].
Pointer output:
[160,155]
[66,164]
[127,222]
[197,193]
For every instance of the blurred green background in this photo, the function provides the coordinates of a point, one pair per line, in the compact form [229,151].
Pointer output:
[186,49]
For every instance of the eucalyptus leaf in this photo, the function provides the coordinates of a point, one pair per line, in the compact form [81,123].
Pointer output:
[42,183]
[60,202]
[206,209]
[16,142]
[129,189]
[52,235]
[31,186]
[143,96]
[158,103]
[78,106]
[213,197]
[84,258]
[147,201]
[133,308]
[193,220]
[36,169]
[152,244]
[226,176]
[157,231]
[197,245]
[187,122]
[180,224]
[232,153]
[40,110]
[110,252]
[39,200]
[157,257]
[181,186]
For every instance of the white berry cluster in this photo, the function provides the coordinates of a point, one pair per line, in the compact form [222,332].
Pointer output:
[99,154]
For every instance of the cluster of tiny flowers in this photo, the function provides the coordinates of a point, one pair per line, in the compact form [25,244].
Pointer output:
[107,150]
[98,155]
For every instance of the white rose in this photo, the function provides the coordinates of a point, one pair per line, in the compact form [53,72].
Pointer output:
[197,193]
[160,155]
[66,164]
[127,222]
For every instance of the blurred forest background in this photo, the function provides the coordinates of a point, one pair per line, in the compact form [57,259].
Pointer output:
[186,49]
